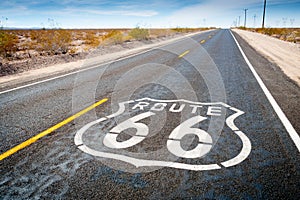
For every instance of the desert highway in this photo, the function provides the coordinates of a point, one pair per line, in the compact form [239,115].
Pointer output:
[204,117]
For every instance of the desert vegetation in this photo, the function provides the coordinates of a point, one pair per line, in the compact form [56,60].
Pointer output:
[21,44]
[8,43]
[22,50]
[286,34]
[139,33]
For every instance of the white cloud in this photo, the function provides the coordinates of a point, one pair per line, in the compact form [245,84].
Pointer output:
[73,11]
[142,13]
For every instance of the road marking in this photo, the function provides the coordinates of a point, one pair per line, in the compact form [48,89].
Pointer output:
[209,36]
[244,153]
[287,124]
[149,108]
[202,41]
[183,54]
[50,130]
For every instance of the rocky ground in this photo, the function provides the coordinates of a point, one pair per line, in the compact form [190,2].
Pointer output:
[36,62]
[23,65]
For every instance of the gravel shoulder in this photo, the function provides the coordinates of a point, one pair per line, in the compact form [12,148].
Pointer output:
[285,54]
[102,55]
[285,90]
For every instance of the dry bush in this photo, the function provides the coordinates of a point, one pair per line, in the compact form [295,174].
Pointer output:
[34,34]
[78,35]
[242,28]
[113,37]
[91,39]
[139,33]
[117,38]
[72,51]
[62,40]
[8,43]
[180,30]
[287,34]
[190,30]
[271,31]
[51,41]
[158,33]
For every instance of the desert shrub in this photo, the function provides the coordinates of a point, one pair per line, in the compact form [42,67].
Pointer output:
[270,31]
[113,37]
[117,38]
[62,40]
[127,38]
[157,33]
[34,34]
[8,43]
[79,35]
[91,39]
[180,30]
[72,51]
[242,28]
[189,30]
[43,41]
[108,35]
[287,34]
[51,41]
[139,33]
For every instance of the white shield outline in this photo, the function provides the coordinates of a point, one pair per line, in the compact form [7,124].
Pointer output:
[244,153]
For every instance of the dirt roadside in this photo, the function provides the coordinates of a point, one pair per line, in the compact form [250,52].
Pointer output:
[285,54]
[97,57]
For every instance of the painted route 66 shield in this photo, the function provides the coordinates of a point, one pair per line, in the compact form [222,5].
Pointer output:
[150,133]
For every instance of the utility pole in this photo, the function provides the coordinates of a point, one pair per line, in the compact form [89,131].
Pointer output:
[239,20]
[245,17]
[264,14]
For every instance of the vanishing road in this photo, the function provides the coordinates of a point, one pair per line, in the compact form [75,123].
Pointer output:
[192,119]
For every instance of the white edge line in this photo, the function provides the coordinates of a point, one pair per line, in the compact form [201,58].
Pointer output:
[99,65]
[287,124]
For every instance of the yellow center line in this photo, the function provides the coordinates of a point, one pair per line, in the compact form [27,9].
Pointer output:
[202,41]
[50,130]
[183,54]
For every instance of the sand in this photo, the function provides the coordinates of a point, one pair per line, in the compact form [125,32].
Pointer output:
[285,54]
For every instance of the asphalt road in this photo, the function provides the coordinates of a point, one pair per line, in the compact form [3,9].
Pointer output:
[190,121]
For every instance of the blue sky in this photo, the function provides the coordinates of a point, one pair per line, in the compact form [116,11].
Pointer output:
[145,13]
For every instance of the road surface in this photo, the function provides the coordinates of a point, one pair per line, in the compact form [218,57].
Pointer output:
[190,119]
